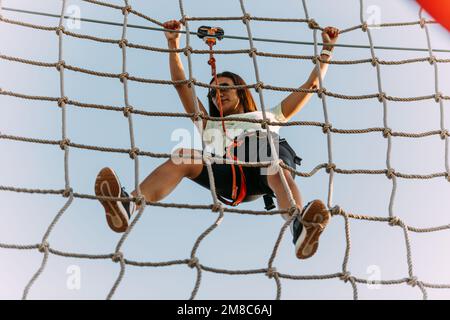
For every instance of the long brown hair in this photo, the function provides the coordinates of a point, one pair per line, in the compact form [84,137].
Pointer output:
[245,96]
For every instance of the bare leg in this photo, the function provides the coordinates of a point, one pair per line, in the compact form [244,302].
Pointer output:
[163,180]
[277,187]
[314,219]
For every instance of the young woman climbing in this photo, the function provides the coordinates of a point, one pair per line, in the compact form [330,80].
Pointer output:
[234,184]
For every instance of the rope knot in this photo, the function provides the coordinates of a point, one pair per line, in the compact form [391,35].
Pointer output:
[187,50]
[133,153]
[64,143]
[375,61]
[422,22]
[292,210]
[438,96]
[432,60]
[60,64]
[394,221]
[191,82]
[387,132]
[123,76]
[381,96]
[127,111]
[62,101]
[271,272]
[140,200]
[326,128]
[216,207]
[315,59]
[118,256]
[184,19]
[336,210]
[43,247]
[264,123]
[126,10]
[312,24]
[412,281]
[193,262]
[60,29]
[330,166]
[390,173]
[123,43]
[246,17]
[364,27]
[67,192]
[198,115]
[259,86]
[346,277]
[321,91]
[444,133]
[253,52]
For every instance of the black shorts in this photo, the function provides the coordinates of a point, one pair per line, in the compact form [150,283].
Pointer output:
[257,184]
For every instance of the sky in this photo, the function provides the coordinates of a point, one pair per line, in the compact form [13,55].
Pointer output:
[241,241]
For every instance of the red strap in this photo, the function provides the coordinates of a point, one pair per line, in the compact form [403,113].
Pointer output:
[212,63]
[237,198]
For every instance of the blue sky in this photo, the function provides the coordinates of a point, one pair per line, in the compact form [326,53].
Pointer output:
[241,241]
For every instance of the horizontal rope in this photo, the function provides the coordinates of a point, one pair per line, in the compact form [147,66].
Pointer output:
[206,85]
[334,211]
[133,110]
[246,51]
[221,160]
[345,30]
[186,262]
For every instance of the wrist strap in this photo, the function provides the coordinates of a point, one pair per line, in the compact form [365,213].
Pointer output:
[326,52]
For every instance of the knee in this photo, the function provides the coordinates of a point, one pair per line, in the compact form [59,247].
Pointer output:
[180,153]
[184,156]
[186,161]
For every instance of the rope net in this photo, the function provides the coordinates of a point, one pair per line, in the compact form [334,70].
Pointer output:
[64,102]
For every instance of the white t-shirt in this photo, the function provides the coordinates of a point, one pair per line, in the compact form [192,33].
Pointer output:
[214,137]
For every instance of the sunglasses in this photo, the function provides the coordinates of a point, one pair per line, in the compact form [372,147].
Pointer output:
[213,92]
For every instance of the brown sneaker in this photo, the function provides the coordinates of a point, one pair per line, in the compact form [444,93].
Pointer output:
[118,213]
[306,237]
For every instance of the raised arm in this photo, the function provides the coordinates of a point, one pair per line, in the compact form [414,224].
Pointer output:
[296,100]
[177,70]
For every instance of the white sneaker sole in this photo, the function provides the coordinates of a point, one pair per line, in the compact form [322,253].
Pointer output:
[308,241]
[107,184]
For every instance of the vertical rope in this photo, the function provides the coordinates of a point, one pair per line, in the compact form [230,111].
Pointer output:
[438,98]
[330,168]
[118,256]
[198,121]
[259,89]
[387,134]
[194,259]
[206,160]
[444,131]
[276,160]
[44,246]
[383,100]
